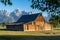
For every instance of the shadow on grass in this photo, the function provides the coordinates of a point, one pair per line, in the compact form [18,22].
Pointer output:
[29,37]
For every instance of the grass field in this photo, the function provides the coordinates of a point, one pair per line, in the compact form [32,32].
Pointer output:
[38,33]
[32,33]
[21,35]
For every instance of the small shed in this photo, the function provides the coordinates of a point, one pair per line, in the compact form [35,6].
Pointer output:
[15,26]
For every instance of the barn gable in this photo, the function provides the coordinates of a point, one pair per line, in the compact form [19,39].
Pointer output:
[40,18]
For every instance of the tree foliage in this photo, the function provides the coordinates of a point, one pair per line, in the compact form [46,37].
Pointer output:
[6,2]
[46,5]
[55,20]
[51,6]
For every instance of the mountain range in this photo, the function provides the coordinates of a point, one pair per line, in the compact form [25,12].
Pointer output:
[5,16]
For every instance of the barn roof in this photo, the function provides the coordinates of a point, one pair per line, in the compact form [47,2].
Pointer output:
[27,18]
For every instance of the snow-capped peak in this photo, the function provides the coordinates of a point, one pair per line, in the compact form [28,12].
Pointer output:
[17,12]
[32,12]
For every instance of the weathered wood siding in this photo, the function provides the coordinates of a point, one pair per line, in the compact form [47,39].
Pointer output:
[47,26]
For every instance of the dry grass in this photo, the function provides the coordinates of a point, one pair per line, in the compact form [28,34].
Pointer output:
[21,35]
[41,33]
[1,27]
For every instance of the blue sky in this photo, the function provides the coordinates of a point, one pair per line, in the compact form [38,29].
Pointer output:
[22,4]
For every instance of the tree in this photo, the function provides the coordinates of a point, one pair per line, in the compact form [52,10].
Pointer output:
[46,5]
[51,6]
[55,20]
[3,24]
[6,2]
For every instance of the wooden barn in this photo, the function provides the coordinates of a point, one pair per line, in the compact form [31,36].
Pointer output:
[32,22]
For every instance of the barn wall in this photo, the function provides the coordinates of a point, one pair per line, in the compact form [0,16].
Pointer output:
[25,27]
[29,27]
[47,26]
[32,27]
